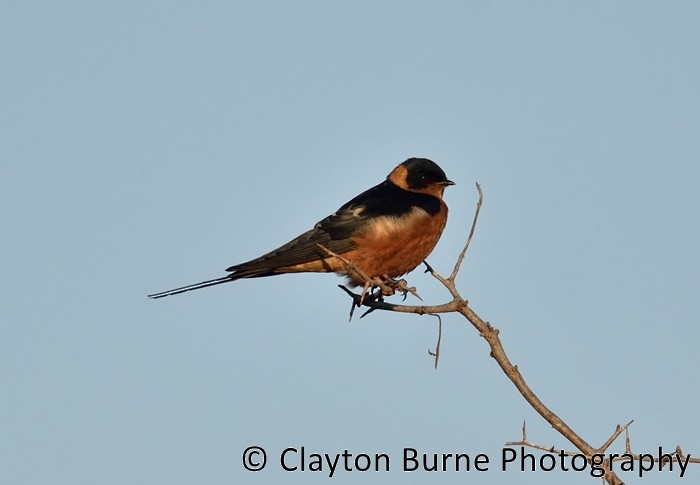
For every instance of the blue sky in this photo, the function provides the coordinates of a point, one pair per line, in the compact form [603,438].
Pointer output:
[151,145]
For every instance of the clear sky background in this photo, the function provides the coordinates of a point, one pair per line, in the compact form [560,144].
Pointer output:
[148,145]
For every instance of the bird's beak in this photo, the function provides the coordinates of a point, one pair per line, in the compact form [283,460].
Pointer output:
[447,182]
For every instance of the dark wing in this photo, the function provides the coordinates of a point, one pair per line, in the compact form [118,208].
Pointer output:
[302,249]
[335,231]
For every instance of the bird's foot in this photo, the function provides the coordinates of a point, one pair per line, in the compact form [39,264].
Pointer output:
[390,286]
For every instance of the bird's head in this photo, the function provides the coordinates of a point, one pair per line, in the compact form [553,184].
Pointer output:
[420,175]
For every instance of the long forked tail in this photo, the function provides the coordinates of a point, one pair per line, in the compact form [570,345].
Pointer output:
[196,286]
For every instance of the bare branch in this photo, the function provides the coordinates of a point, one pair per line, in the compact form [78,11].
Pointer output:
[458,264]
[436,354]
[613,457]
[491,335]
[618,430]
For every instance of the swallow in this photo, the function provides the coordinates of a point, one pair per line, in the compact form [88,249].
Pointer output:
[384,232]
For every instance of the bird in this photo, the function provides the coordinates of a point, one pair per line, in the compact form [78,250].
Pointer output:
[383,233]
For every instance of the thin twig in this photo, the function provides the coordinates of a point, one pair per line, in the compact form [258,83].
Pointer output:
[458,264]
[436,354]
[618,430]
[613,457]
[628,448]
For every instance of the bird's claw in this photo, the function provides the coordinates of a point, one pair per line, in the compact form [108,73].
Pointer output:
[390,286]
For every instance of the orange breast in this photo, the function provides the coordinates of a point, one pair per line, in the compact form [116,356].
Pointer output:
[395,246]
